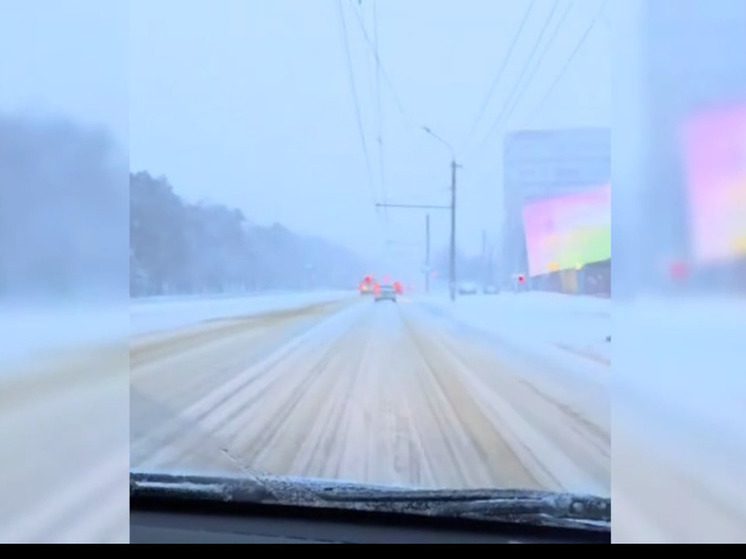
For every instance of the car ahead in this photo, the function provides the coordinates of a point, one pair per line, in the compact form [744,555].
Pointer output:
[468,288]
[491,290]
[385,293]
[367,286]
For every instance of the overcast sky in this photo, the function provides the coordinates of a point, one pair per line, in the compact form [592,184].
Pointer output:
[66,59]
[248,102]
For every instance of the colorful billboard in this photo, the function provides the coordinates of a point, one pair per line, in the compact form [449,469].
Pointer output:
[568,232]
[715,161]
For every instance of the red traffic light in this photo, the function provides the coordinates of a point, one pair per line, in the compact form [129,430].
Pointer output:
[679,271]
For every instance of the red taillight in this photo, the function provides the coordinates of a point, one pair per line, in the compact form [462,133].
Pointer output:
[366,286]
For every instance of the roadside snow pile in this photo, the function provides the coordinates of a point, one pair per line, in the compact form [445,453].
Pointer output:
[164,313]
[29,332]
[679,410]
[686,352]
[547,323]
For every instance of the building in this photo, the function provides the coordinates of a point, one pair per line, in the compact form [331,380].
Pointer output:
[543,165]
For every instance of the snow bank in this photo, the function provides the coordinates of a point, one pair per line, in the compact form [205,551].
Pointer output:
[679,387]
[684,361]
[29,332]
[165,313]
[550,324]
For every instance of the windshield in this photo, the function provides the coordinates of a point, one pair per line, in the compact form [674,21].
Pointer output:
[357,254]
[291,158]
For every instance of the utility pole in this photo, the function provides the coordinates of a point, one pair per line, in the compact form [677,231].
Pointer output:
[452,274]
[427,253]
[491,266]
[483,259]
[427,230]
[454,169]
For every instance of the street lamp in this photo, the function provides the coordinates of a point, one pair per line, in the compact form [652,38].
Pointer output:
[454,167]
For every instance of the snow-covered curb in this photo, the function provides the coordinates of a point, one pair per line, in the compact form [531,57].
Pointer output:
[30,331]
[165,313]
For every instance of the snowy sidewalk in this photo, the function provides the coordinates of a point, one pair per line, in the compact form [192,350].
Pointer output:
[549,324]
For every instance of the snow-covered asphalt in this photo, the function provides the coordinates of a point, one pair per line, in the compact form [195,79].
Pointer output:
[367,392]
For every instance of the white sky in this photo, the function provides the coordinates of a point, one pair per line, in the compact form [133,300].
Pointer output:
[248,103]
[66,59]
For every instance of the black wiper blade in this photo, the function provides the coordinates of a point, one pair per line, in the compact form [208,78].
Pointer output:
[538,508]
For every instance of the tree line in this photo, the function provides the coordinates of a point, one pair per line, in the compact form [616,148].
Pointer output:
[182,248]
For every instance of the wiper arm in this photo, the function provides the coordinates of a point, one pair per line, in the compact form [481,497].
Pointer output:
[514,506]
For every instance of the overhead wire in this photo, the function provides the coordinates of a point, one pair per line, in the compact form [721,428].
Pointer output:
[570,59]
[538,65]
[379,110]
[516,88]
[356,102]
[498,77]
[384,73]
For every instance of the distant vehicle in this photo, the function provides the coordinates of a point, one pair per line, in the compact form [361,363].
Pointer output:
[491,290]
[367,286]
[468,288]
[398,288]
[385,293]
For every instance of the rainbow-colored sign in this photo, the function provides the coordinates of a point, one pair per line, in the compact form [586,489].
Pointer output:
[715,160]
[568,232]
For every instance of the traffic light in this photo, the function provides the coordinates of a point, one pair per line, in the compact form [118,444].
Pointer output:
[679,271]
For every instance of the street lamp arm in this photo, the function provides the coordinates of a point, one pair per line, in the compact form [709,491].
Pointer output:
[429,131]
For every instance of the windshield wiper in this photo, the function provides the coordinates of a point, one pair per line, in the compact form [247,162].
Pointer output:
[537,508]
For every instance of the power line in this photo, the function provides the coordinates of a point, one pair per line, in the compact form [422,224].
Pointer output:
[379,109]
[379,106]
[569,61]
[500,72]
[536,67]
[382,69]
[356,100]
[499,120]
[416,206]
[375,83]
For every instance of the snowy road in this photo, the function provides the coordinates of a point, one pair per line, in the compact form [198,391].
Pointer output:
[63,424]
[358,391]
